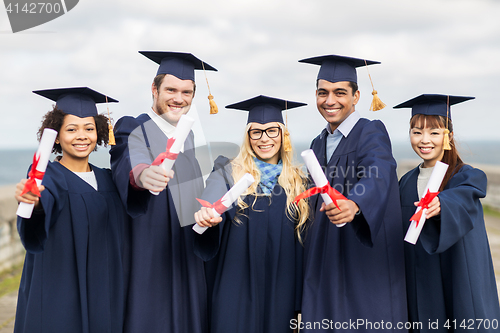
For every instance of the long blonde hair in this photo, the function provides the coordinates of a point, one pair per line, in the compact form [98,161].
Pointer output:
[292,179]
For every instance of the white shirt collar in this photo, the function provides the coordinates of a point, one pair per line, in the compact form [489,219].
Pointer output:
[167,128]
[347,125]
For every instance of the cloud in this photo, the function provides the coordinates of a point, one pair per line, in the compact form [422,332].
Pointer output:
[429,46]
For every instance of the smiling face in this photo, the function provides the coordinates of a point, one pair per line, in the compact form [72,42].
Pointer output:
[173,98]
[335,101]
[267,149]
[78,138]
[427,142]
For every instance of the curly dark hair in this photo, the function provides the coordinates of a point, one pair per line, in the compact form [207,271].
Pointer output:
[55,118]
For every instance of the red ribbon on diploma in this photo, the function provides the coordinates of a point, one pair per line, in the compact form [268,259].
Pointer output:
[218,206]
[332,193]
[424,203]
[167,154]
[30,185]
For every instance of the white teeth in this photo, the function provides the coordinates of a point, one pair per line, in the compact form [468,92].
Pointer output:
[81,146]
[331,110]
[425,149]
[265,147]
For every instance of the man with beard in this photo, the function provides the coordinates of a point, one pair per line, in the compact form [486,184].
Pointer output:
[166,282]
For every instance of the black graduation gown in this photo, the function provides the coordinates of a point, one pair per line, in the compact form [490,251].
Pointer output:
[357,271]
[167,289]
[449,271]
[254,268]
[72,279]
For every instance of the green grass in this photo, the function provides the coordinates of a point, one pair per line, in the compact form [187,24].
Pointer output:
[9,280]
[487,210]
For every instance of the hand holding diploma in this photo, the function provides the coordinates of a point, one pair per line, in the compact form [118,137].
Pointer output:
[222,204]
[31,187]
[167,159]
[206,217]
[28,197]
[155,178]
[428,200]
[345,212]
[328,194]
[433,209]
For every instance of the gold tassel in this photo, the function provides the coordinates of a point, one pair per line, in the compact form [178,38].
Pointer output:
[213,107]
[111,136]
[111,140]
[287,144]
[377,104]
[446,140]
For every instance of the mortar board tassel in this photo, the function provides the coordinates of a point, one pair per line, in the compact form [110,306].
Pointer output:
[377,104]
[111,139]
[213,107]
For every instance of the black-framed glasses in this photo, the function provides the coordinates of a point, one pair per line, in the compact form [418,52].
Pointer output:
[271,132]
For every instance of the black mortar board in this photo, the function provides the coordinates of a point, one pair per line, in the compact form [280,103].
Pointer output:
[264,109]
[180,65]
[432,104]
[79,101]
[335,68]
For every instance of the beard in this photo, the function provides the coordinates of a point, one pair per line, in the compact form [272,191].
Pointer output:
[159,108]
[170,117]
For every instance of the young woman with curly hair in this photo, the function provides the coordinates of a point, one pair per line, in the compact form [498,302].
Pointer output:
[73,274]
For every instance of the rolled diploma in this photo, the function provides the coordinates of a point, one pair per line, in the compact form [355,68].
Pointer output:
[433,185]
[230,197]
[317,175]
[25,210]
[180,134]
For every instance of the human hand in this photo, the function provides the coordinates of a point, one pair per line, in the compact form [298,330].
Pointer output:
[155,178]
[28,197]
[348,210]
[434,208]
[205,217]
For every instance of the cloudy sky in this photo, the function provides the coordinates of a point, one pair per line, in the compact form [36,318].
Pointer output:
[426,46]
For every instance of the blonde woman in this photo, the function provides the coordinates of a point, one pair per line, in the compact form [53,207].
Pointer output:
[253,251]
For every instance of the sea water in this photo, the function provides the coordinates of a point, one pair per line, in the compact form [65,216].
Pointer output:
[14,163]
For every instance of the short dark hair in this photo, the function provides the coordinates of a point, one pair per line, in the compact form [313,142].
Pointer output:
[55,118]
[158,80]
[353,85]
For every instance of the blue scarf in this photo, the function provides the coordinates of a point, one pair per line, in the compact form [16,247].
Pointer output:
[269,174]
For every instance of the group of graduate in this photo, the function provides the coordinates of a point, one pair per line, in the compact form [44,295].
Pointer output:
[113,250]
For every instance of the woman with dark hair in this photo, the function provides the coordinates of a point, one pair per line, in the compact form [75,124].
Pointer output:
[449,272]
[73,274]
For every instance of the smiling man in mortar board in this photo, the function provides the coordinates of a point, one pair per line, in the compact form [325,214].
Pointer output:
[353,273]
[166,289]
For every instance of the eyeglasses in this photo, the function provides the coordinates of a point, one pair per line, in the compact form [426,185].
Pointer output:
[271,132]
